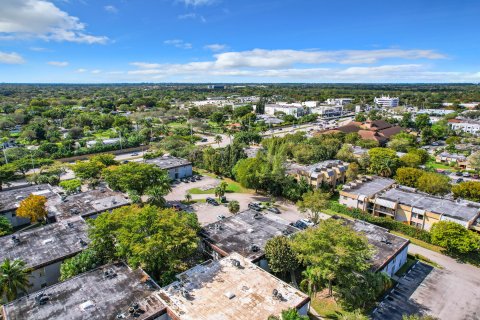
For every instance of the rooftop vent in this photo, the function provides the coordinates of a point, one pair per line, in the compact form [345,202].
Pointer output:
[185,293]
[235,263]
[109,274]
[83,243]
[15,239]
[277,295]
[386,241]
[254,248]
[229,295]
[70,225]
[257,216]
[42,298]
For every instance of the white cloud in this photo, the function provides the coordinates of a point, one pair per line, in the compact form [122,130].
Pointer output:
[177,43]
[192,16]
[58,63]
[38,49]
[216,47]
[111,9]
[196,3]
[42,19]
[81,70]
[11,58]
[96,71]
[302,66]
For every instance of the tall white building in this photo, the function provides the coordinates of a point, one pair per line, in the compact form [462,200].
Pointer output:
[341,101]
[387,101]
[293,109]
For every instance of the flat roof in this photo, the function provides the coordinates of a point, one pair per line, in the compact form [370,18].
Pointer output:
[460,209]
[221,290]
[386,245]
[168,162]
[104,293]
[368,188]
[245,233]
[45,245]
[87,203]
[10,199]
[326,165]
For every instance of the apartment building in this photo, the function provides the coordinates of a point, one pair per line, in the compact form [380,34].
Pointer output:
[435,112]
[467,126]
[232,288]
[110,292]
[459,159]
[379,196]
[10,200]
[328,173]
[44,248]
[387,101]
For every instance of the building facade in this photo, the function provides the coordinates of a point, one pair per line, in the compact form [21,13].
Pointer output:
[387,101]
[177,168]
[325,173]
[292,109]
[467,126]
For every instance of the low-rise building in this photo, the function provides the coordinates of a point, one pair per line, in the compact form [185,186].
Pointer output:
[245,233]
[435,112]
[10,200]
[328,111]
[110,292]
[232,288]
[390,251]
[105,142]
[327,173]
[459,159]
[292,109]
[378,130]
[177,168]
[468,126]
[339,101]
[44,248]
[360,193]
[87,204]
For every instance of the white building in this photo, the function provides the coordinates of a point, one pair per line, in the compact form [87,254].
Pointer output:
[435,112]
[468,126]
[293,109]
[341,101]
[328,111]
[105,142]
[387,101]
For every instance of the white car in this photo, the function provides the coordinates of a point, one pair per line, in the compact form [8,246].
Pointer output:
[307,222]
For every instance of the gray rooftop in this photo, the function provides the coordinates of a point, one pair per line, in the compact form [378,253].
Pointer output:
[230,288]
[369,186]
[47,244]
[312,169]
[10,199]
[240,232]
[460,209]
[385,244]
[87,203]
[104,293]
[168,162]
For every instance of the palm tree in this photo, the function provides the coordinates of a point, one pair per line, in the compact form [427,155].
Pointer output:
[221,189]
[311,281]
[14,278]
[156,194]
[218,139]
[188,197]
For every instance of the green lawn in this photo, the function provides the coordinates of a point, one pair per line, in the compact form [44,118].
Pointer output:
[327,308]
[434,165]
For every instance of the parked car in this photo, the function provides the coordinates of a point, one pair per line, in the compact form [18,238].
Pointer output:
[184,180]
[308,222]
[459,180]
[191,179]
[177,207]
[221,217]
[299,225]
[254,206]
[204,140]
[198,177]
[134,154]
[223,199]
[458,173]
[273,210]
[466,174]
[212,201]
[475,176]
[125,161]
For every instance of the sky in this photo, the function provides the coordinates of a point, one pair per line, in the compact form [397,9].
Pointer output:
[233,41]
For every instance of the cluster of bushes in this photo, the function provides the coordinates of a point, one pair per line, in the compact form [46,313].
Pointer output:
[383,222]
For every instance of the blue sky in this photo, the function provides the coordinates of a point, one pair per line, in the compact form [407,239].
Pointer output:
[83,41]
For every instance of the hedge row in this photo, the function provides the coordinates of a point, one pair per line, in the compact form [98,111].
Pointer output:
[382,222]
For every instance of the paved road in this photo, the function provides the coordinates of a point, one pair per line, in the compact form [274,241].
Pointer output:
[450,293]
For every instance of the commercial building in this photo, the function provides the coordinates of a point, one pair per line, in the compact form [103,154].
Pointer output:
[10,200]
[111,292]
[177,168]
[387,101]
[327,173]
[86,204]
[232,288]
[339,101]
[468,126]
[390,251]
[44,248]
[328,111]
[379,197]
[377,130]
[435,112]
[292,109]
[245,233]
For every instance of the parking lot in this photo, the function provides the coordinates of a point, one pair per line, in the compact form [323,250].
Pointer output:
[208,213]
[451,292]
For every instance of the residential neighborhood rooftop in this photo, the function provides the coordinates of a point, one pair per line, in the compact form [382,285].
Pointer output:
[246,233]
[10,199]
[42,246]
[168,162]
[459,209]
[386,245]
[87,203]
[368,186]
[230,288]
[313,169]
[111,292]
